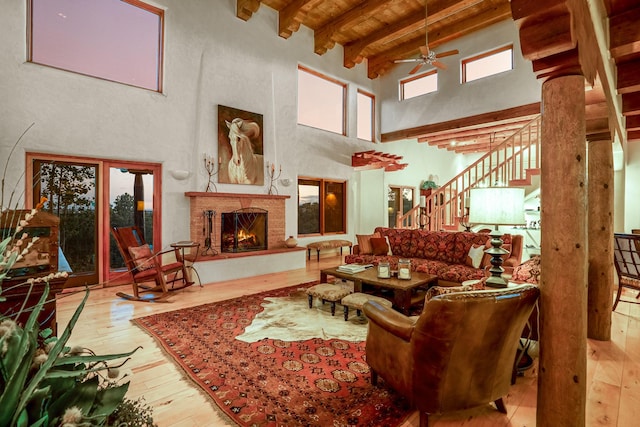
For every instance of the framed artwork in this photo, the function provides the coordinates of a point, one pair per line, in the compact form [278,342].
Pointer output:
[240,146]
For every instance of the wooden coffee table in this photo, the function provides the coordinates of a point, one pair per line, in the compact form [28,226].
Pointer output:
[402,288]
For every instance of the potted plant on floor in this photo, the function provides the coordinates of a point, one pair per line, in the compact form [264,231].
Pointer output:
[44,382]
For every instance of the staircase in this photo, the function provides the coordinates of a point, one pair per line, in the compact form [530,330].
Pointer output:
[512,163]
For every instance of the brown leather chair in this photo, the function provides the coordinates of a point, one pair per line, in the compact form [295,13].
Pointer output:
[457,354]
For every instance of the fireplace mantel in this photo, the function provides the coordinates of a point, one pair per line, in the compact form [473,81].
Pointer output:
[228,202]
[235,195]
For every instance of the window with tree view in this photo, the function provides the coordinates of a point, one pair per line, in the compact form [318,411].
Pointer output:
[321,206]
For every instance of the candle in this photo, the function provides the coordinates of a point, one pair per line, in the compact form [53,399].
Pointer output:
[423,201]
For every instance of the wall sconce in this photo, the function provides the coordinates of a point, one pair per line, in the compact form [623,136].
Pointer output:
[180,174]
[285,182]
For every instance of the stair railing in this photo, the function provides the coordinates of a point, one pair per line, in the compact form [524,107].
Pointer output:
[508,164]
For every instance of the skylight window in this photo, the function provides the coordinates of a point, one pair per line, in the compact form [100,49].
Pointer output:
[487,64]
[419,85]
[117,40]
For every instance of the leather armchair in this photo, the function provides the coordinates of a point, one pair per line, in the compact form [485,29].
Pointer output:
[458,354]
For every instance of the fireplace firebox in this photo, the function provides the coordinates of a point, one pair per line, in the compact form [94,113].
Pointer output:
[244,230]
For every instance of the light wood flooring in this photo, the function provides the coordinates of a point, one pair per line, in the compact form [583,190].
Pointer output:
[613,396]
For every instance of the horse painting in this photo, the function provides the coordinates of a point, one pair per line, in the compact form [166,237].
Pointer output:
[245,166]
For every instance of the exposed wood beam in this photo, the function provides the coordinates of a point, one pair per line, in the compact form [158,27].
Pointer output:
[291,16]
[437,11]
[246,8]
[633,135]
[381,63]
[353,50]
[547,34]
[631,104]
[479,119]
[372,159]
[633,123]
[629,76]
[323,37]
[624,33]
[509,128]
[597,110]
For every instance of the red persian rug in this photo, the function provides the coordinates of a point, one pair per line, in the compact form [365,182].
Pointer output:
[273,382]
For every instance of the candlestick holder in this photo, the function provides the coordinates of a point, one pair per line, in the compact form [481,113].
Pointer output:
[273,177]
[464,220]
[212,169]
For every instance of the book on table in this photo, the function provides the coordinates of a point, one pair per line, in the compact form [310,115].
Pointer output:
[353,268]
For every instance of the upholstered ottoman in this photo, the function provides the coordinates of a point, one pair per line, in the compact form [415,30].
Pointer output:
[327,292]
[357,299]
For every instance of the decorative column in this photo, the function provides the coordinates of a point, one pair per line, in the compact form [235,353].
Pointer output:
[563,296]
[600,226]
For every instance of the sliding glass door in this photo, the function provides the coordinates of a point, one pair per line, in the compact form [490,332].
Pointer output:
[90,196]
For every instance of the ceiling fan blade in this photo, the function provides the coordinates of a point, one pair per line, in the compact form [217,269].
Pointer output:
[397,61]
[439,65]
[424,50]
[447,53]
[415,69]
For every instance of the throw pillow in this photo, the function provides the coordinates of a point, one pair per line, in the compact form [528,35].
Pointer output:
[142,257]
[475,255]
[528,271]
[389,252]
[379,246]
[364,243]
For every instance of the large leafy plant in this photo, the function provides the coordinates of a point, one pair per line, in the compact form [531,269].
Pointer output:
[42,379]
[44,382]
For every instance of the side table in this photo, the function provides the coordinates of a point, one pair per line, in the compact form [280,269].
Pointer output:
[188,258]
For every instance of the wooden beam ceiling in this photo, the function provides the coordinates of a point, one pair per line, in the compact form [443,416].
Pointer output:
[382,31]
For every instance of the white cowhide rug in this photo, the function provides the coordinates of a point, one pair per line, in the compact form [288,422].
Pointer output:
[291,319]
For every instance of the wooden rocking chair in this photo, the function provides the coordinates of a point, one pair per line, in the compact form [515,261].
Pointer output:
[626,250]
[145,266]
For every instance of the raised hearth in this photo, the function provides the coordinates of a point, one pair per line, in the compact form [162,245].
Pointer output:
[233,265]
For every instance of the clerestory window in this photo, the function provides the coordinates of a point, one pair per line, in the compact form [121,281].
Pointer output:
[117,40]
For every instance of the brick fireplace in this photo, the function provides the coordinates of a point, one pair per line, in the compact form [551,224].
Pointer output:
[219,203]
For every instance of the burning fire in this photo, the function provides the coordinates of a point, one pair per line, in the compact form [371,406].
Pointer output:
[243,235]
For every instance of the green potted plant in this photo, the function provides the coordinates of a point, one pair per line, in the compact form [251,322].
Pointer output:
[44,382]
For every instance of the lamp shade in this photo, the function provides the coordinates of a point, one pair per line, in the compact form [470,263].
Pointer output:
[497,205]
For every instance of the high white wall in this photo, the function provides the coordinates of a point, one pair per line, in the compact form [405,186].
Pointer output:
[454,100]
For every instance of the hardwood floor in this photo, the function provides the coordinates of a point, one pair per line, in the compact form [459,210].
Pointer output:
[613,394]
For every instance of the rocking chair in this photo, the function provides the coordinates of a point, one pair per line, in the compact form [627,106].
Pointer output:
[626,250]
[145,266]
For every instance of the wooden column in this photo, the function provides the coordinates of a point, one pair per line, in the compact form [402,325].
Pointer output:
[563,288]
[600,232]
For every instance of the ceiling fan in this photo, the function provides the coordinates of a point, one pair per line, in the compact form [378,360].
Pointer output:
[427,57]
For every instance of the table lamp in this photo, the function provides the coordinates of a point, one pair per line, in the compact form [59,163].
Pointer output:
[497,206]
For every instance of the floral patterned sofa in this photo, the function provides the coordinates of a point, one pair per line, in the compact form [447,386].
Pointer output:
[447,254]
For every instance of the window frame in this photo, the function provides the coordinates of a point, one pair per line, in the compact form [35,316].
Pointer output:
[136,3]
[322,182]
[362,92]
[344,98]
[465,62]
[410,79]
